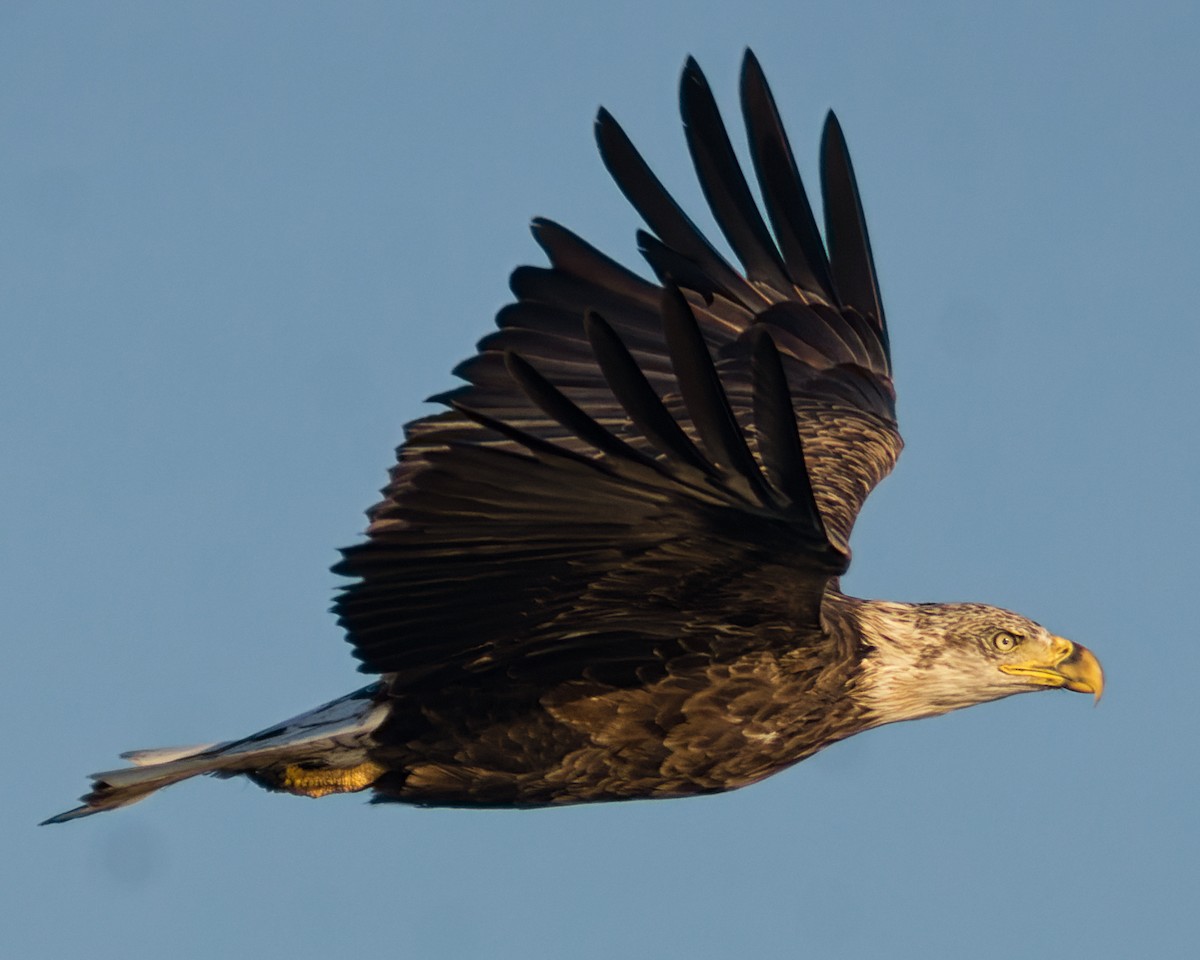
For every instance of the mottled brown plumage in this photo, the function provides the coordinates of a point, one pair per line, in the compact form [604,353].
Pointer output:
[609,569]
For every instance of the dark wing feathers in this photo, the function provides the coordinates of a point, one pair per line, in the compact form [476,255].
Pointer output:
[637,397]
[568,415]
[660,211]
[632,466]
[723,184]
[779,445]
[671,266]
[704,398]
[575,257]
[783,192]
[846,228]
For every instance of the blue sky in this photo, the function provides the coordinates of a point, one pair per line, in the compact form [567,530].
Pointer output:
[241,242]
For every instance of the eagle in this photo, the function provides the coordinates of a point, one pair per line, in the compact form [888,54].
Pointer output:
[609,569]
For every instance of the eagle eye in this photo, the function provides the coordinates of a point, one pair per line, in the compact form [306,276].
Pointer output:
[1005,641]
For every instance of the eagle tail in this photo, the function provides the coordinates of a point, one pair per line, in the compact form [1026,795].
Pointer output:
[323,751]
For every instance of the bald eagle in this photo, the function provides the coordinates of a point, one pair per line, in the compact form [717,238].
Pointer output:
[610,568]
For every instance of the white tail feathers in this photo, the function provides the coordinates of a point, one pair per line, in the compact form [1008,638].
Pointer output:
[333,736]
[145,758]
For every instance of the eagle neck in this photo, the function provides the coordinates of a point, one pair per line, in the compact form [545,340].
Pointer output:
[896,679]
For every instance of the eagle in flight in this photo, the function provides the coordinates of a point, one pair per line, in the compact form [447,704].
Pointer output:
[609,569]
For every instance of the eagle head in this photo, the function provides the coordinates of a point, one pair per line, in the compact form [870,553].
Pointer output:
[924,659]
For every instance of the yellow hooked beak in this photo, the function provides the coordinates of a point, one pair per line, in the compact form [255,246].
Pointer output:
[1067,665]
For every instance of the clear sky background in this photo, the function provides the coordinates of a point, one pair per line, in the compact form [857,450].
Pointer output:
[240,242]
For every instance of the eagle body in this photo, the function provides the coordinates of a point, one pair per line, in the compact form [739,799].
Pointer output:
[698,721]
[609,569]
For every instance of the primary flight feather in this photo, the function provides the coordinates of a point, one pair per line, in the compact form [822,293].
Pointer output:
[609,569]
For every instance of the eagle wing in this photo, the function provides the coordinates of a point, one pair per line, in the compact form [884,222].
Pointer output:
[637,471]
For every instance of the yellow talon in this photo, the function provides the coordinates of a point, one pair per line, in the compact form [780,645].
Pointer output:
[322,782]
